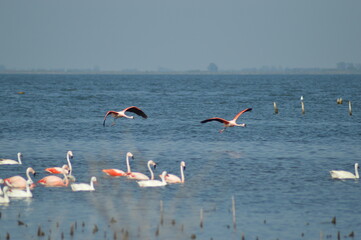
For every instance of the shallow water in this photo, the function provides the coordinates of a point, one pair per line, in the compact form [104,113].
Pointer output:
[277,168]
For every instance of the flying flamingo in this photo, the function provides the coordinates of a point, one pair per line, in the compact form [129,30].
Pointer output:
[154,183]
[19,193]
[171,178]
[121,114]
[340,174]
[230,123]
[4,161]
[141,176]
[84,186]
[18,181]
[54,181]
[119,173]
[5,198]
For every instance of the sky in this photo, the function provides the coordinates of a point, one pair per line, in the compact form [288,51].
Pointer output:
[180,35]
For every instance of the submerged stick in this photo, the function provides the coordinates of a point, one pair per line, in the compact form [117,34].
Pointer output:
[201,217]
[349,108]
[234,212]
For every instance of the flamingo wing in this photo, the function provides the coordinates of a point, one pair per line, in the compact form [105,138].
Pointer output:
[114,172]
[114,113]
[221,120]
[241,112]
[136,110]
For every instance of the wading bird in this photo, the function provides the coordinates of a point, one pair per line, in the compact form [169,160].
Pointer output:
[154,183]
[117,172]
[4,161]
[122,113]
[340,174]
[54,181]
[230,123]
[142,176]
[171,178]
[18,181]
[84,186]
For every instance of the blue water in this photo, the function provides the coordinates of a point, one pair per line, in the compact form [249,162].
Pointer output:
[277,168]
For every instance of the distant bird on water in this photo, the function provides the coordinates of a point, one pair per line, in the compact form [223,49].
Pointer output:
[230,123]
[340,174]
[121,114]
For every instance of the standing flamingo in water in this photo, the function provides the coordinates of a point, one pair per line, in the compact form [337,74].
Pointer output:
[230,123]
[18,181]
[54,181]
[121,114]
[142,176]
[154,183]
[117,172]
[171,178]
[4,161]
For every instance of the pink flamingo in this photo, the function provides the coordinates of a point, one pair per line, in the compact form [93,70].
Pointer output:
[19,181]
[230,123]
[58,170]
[117,172]
[141,176]
[121,114]
[171,178]
[54,181]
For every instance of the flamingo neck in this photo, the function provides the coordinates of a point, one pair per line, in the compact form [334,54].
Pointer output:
[91,184]
[182,173]
[19,158]
[151,172]
[69,163]
[28,174]
[128,165]
[66,183]
[356,171]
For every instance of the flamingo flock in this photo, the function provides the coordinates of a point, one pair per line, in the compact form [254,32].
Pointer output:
[19,187]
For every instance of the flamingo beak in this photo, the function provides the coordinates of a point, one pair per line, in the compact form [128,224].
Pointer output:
[155,166]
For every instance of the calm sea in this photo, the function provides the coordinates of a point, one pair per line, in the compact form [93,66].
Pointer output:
[276,168]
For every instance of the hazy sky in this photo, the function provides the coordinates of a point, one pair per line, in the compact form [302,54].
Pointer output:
[178,34]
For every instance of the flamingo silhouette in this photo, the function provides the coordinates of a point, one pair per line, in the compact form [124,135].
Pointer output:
[122,113]
[227,123]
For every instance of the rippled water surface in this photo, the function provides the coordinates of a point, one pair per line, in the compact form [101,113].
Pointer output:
[277,168]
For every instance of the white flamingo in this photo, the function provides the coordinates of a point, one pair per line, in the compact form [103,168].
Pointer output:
[4,161]
[340,174]
[84,186]
[227,123]
[5,198]
[122,114]
[117,172]
[142,176]
[154,183]
[171,178]
[19,193]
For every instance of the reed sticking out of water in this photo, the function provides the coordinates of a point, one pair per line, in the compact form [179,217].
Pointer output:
[349,108]
[234,212]
[161,212]
[275,107]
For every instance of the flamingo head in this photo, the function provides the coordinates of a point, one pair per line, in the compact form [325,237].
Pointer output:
[183,165]
[93,179]
[70,154]
[129,154]
[151,162]
[31,170]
